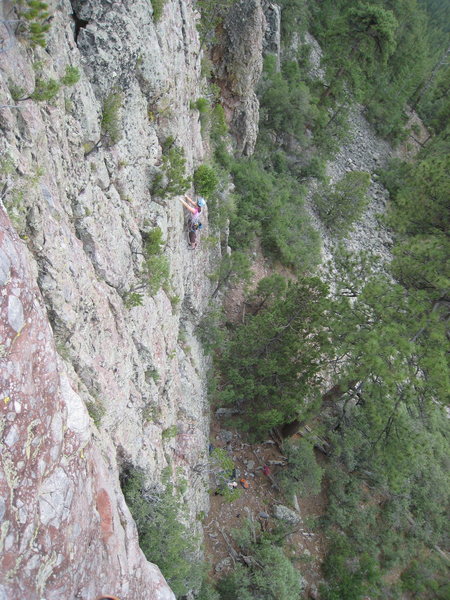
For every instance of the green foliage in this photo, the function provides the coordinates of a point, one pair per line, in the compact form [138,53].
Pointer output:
[207,591]
[205,180]
[164,539]
[153,241]
[419,214]
[155,272]
[210,329]
[158,8]
[221,466]
[96,411]
[45,90]
[152,373]
[378,51]
[34,20]
[302,474]
[294,18]
[212,13]
[267,291]
[340,205]
[17,92]
[292,239]
[221,461]
[219,127]
[286,100]
[232,267]
[133,299]
[427,578]
[270,575]
[155,267]
[201,104]
[271,362]
[18,192]
[349,576]
[432,100]
[110,123]
[71,76]
[171,180]
[271,206]
[170,432]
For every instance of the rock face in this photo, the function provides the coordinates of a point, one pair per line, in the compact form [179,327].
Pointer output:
[66,531]
[239,61]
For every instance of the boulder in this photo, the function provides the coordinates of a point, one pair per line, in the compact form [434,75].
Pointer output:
[283,513]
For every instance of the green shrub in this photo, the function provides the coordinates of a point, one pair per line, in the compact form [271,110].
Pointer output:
[96,411]
[45,90]
[343,203]
[219,127]
[302,473]
[33,21]
[158,7]
[201,104]
[205,180]
[110,123]
[71,76]
[269,576]
[153,242]
[133,299]
[156,271]
[164,539]
[171,180]
[170,432]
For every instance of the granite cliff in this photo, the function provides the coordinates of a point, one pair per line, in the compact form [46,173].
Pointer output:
[69,341]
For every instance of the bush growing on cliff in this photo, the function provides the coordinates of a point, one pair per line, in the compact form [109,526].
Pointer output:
[155,268]
[111,125]
[205,180]
[171,180]
[34,21]
[163,538]
[158,7]
[45,89]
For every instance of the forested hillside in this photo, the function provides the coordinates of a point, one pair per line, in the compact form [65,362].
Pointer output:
[357,349]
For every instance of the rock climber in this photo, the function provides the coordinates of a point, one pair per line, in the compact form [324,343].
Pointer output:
[194,207]
[193,230]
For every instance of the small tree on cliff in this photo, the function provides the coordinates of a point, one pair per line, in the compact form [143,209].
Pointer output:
[111,125]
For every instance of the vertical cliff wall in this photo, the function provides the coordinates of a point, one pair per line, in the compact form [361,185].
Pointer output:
[66,531]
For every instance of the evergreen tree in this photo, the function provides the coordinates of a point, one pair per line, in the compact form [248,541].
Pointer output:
[271,363]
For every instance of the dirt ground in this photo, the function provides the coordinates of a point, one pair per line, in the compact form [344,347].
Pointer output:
[305,547]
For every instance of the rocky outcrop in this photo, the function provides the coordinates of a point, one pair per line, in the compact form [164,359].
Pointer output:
[239,60]
[139,370]
[272,34]
[65,531]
